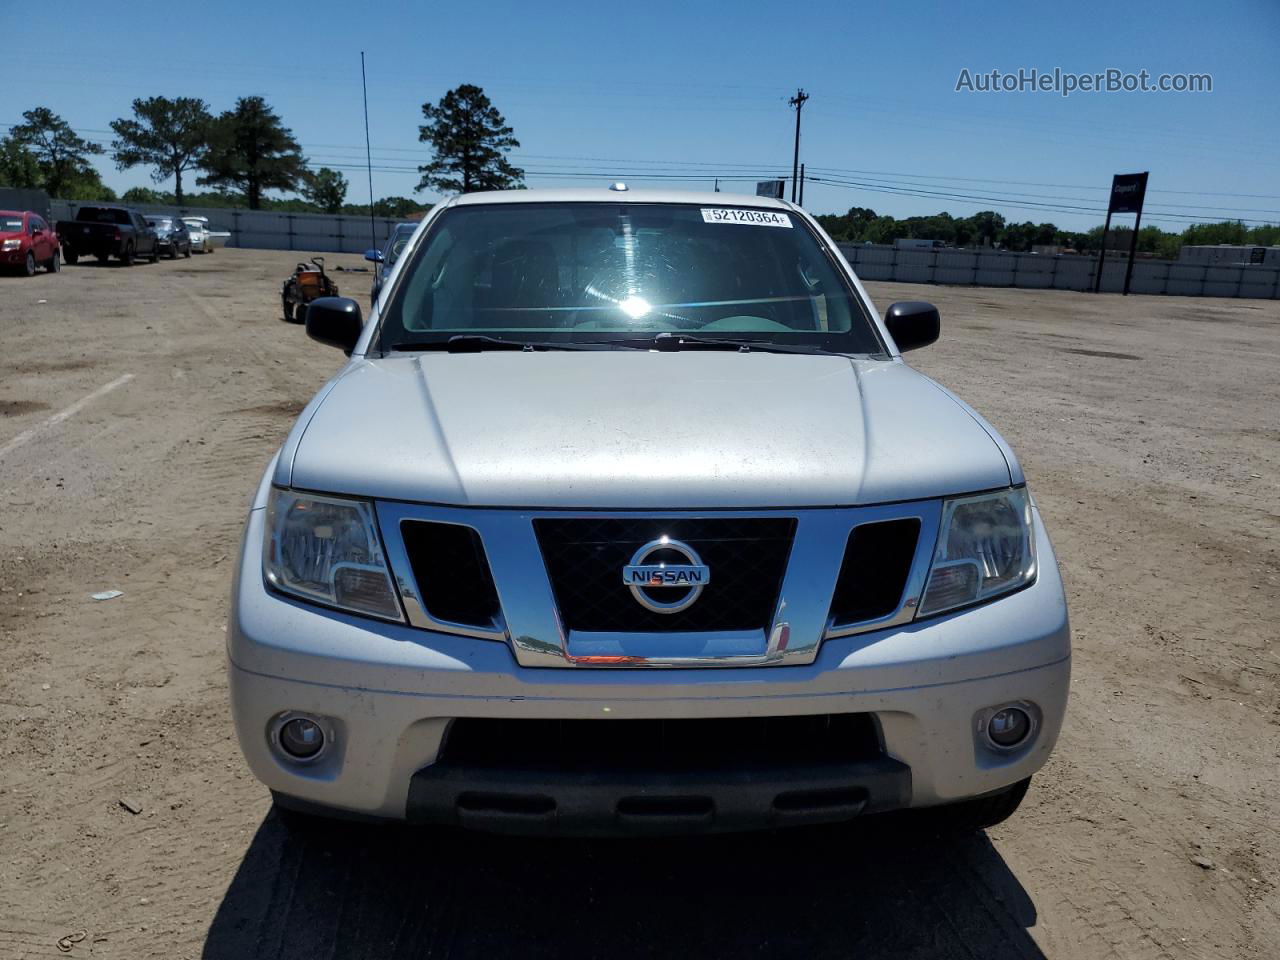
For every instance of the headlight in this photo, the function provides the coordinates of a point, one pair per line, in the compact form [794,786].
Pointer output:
[326,549]
[12,244]
[985,548]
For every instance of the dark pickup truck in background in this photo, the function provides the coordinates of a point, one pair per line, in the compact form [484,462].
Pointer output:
[106,232]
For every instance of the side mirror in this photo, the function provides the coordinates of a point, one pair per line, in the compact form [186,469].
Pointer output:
[373,256]
[912,324]
[335,321]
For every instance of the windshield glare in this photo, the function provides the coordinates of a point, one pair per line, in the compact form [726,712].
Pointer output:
[600,271]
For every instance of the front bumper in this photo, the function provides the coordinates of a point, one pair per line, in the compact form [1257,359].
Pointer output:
[596,803]
[388,692]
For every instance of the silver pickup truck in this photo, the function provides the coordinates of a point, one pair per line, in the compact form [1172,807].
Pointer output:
[626,516]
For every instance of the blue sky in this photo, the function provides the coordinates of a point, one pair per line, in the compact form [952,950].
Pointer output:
[693,90]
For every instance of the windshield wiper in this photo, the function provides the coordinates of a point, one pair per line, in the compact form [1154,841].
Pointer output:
[665,341]
[477,342]
[670,341]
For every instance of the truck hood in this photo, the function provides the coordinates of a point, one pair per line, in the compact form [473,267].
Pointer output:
[639,429]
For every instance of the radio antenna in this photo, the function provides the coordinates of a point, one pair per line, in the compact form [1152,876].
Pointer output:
[368,154]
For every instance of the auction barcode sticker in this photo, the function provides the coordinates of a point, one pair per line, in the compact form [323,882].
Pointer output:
[758,218]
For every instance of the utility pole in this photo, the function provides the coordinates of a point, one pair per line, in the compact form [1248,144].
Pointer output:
[798,102]
[800,201]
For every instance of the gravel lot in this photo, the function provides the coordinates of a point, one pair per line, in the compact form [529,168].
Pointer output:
[1150,430]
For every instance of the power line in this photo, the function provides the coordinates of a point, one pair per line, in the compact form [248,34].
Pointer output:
[518,155]
[1046,196]
[979,200]
[902,184]
[1058,202]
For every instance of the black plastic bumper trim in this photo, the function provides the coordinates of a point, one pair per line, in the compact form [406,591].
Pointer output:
[544,802]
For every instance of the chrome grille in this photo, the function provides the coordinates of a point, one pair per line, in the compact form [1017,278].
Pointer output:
[747,557]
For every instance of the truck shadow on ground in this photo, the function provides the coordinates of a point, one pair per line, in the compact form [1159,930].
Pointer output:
[880,888]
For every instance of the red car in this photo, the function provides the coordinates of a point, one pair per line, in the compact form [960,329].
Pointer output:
[27,242]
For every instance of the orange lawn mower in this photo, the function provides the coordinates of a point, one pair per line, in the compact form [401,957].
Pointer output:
[308,282]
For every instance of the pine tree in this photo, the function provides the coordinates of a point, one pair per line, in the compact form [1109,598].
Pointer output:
[470,139]
[251,150]
[169,135]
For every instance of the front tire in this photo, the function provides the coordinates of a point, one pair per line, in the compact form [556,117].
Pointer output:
[126,256]
[155,253]
[186,254]
[302,819]
[173,252]
[30,265]
[970,816]
[299,825]
[55,263]
[72,257]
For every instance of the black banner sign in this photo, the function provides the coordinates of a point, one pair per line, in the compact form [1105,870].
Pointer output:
[1128,190]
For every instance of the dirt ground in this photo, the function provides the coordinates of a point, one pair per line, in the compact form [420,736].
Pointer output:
[1149,428]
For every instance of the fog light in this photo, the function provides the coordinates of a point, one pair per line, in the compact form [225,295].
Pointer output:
[1008,727]
[301,738]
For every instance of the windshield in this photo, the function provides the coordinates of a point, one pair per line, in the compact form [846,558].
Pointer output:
[10,224]
[102,215]
[161,223]
[613,271]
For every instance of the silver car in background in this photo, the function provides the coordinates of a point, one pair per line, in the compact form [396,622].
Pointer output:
[203,238]
[625,516]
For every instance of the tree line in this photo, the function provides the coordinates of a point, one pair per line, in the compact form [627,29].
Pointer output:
[246,152]
[988,228]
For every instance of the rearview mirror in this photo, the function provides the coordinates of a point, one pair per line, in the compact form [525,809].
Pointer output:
[335,321]
[373,256]
[912,324]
